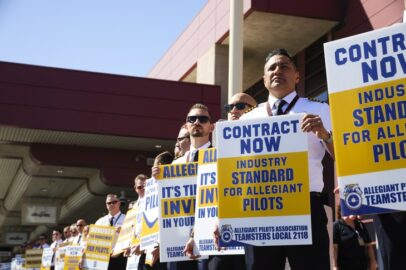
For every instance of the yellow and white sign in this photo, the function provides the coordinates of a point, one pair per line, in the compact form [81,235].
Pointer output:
[133,260]
[33,258]
[60,256]
[126,232]
[366,79]
[263,182]
[98,247]
[150,225]
[73,255]
[206,216]
[47,254]
[177,200]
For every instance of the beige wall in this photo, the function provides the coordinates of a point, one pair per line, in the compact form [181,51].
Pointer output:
[212,68]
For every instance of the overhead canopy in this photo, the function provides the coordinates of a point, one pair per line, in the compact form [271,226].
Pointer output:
[268,24]
[67,138]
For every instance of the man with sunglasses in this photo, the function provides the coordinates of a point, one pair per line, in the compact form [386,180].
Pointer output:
[239,104]
[114,218]
[139,186]
[199,126]
[73,232]
[66,234]
[56,241]
[80,224]
[280,78]
[182,143]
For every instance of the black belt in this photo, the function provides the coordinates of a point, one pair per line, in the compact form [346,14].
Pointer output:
[315,194]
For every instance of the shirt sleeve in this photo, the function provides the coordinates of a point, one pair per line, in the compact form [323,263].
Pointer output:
[99,222]
[325,115]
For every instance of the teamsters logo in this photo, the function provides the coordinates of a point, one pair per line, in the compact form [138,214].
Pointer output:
[353,196]
[226,233]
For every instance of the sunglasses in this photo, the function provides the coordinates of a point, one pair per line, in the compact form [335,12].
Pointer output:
[239,106]
[112,202]
[79,225]
[182,138]
[202,119]
[140,187]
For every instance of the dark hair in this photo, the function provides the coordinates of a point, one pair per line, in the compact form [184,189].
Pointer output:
[201,107]
[164,158]
[57,230]
[279,51]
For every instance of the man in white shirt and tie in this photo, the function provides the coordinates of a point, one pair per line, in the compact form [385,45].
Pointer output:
[280,78]
[80,225]
[57,240]
[114,218]
[199,125]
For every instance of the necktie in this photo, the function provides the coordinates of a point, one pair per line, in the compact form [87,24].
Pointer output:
[111,221]
[193,156]
[279,104]
[53,253]
[80,237]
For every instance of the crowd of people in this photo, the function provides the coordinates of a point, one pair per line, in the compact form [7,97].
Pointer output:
[280,79]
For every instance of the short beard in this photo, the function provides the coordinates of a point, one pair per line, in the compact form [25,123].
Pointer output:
[197,134]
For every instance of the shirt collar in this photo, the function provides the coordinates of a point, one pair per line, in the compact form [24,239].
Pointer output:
[115,216]
[204,146]
[288,98]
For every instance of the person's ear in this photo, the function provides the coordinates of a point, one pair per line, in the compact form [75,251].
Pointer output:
[297,79]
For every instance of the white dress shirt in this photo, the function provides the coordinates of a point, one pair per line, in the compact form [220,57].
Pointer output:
[77,239]
[186,157]
[117,221]
[56,243]
[53,246]
[316,147]
[182,159]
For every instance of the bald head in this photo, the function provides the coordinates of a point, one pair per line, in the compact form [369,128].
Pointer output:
[234,113]
[80,224]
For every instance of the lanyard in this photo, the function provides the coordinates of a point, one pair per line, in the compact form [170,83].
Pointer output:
[115,221]
[290,106]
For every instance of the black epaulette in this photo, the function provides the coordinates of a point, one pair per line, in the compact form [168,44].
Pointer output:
[316,100]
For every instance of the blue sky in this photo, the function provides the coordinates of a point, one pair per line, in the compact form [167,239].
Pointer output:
[112,36]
